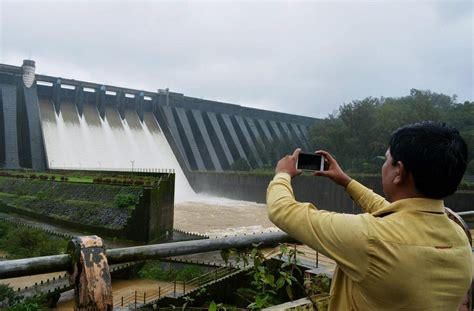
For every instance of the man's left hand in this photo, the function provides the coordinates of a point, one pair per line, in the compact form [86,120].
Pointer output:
[288,164]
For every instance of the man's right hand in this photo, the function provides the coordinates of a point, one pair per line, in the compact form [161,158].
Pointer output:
[334,171]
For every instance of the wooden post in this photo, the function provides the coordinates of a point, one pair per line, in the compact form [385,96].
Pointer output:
[144,297]
[184,287]
[135,300]
[159,292]
[89,273]
[317,259]
[175,288]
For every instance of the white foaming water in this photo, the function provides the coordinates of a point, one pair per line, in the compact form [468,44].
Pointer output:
[88,142]
[221,201]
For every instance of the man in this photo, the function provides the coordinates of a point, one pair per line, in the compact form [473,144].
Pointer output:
[403,253]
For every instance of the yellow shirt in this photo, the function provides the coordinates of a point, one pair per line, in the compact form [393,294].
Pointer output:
[406,255]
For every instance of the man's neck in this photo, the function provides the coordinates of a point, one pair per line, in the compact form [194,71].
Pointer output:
[407,194]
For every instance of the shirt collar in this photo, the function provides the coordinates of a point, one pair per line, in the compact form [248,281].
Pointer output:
[412,205]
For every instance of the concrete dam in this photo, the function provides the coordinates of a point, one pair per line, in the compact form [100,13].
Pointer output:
[53,122]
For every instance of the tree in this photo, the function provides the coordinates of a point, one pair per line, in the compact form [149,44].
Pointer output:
[358,134]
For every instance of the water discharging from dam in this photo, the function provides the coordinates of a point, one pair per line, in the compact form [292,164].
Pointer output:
[88,142]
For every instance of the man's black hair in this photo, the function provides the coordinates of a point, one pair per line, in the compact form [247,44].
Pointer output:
[434,153]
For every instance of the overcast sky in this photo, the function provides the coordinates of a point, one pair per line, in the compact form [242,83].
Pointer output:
[305,58]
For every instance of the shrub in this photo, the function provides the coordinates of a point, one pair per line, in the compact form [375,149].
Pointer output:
[20,192]
[4,228]
[52,177]
[40,195]
[27,242]
[6,292]
[152,270]
[33,176]
[37,303]
[125,200]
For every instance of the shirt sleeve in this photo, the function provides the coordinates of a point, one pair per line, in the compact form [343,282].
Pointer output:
[342,237]
[366,198]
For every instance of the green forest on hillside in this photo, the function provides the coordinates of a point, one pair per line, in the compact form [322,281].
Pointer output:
[358,134]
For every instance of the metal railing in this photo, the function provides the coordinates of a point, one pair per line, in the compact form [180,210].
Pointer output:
[174,289]
[466,214]
[37,265]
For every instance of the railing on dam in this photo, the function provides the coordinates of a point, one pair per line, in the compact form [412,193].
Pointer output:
[122,169]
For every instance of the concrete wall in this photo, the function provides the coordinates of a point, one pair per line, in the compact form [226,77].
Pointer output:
[9,125]
[150,220]
[22,141]
[212,136]
[38,158]
[319,191]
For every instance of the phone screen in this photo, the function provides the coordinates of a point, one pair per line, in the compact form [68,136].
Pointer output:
[310,162]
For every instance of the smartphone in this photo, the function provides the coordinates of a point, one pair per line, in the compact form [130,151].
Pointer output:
[310,162]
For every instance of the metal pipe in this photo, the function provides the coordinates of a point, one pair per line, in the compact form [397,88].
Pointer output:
[37,265]
[120,255]
[468,213]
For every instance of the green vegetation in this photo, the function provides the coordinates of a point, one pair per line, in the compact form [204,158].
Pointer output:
[6,292]
[74,202]
[267,283]
[21,242]
[122,200]
[16,303]
[29,304]
[357,135]
[153,270]
[271,284]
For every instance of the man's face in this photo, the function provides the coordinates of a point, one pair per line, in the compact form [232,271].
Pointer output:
[389,172]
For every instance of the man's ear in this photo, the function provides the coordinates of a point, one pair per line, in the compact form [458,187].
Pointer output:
[402,174]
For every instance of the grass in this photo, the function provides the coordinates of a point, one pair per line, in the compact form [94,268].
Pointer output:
[78,176]
[80,179]
[153,270]
[22,242]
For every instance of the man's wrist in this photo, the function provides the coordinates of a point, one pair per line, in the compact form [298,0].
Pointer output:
[283,171]
[284,175]
[345,180]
